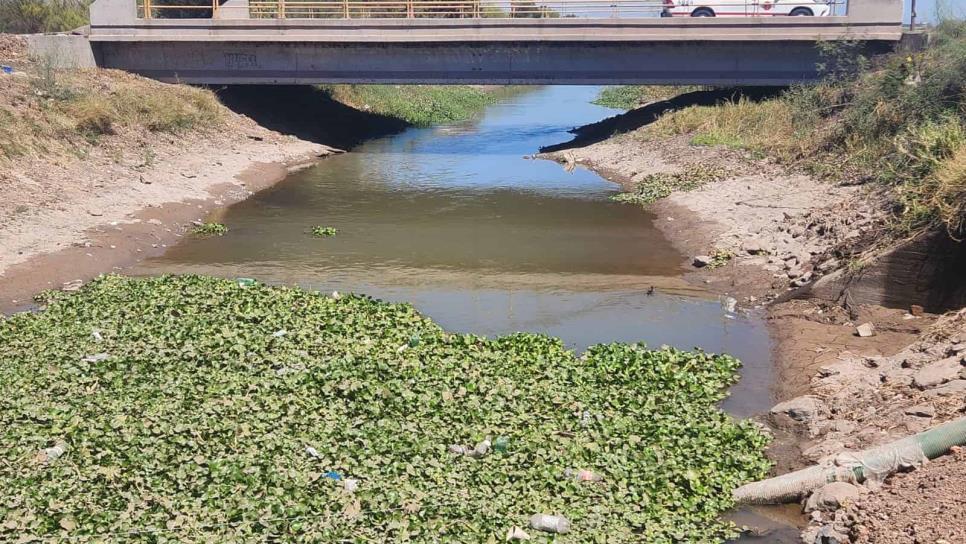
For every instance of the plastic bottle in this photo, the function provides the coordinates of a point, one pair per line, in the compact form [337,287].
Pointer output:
[501,444]
[549,523]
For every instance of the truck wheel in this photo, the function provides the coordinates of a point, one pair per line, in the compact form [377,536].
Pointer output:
[801,12]
[702,12]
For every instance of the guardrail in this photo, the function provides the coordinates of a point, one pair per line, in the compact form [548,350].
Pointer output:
[455,9]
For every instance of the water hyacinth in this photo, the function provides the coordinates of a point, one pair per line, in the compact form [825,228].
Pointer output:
[188,432]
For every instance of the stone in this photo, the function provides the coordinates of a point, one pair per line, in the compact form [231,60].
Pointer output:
[938,373]
[953,388]
[865,330]
[832,497]
[804,409]
[753,246]
[921,410]
[701,261]
[916,310]
[958,348]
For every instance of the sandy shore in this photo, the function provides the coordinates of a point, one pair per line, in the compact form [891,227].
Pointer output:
[73,219]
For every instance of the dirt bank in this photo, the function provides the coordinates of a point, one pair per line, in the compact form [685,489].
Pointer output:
[761,233]
[102,168]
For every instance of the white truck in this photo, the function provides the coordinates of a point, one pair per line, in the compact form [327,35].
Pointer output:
[747,8]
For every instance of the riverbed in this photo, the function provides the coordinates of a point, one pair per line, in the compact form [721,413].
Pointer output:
[459,221]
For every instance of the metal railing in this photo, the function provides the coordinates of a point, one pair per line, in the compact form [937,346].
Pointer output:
[440,9]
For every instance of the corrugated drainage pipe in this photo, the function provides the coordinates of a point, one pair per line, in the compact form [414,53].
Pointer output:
[872,464]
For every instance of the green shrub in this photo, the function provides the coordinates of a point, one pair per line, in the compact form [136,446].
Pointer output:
[628,97]
[32,16]
[418,105]
[195,409]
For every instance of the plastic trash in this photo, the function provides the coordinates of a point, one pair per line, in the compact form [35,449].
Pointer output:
[501,444]
[333,475]
[313,453]
[350,485]
[550,524]
[50,454]
[516,533]
[96,358]
[582,475]
[279,334]
[414,340]
[480,450]
[336,295]
[6,69]
[245,282]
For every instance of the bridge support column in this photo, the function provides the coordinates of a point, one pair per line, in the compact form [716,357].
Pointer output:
[233,9]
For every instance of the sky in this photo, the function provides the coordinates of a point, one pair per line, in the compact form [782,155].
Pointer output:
[926,9]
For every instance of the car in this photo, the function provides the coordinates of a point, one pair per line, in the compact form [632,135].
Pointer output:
[746,8]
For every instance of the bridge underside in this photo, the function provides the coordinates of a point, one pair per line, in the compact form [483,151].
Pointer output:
[717,63]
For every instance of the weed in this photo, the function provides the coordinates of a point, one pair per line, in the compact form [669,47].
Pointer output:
[210,229]
[231,403]
[657,186]
[418,105]
[720,257]
[323,232]
[627,97]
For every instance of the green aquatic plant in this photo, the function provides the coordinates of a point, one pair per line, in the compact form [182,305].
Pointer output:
[194,409]
[654,187]
[720,258]
[323,232]
[210,229]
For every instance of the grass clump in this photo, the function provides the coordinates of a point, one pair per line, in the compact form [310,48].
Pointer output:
[657,186]
[720,257]
[899,122]
[55,109]
[210,229]
[205,411]
[418,105]
[324,232]
[628,97]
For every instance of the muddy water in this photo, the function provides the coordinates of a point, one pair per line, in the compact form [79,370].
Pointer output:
[455,220]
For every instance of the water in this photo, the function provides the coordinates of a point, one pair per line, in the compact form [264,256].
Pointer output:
[456,221]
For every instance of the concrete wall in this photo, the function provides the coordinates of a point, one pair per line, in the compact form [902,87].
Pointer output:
[62,50]
[928,271]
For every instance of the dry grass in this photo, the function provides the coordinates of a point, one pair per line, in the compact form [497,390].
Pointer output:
[900,123]
[47,111]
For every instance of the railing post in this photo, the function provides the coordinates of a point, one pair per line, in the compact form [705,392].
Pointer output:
[345,9]
[147,9]
[281,9]
[214,9]
[410,11]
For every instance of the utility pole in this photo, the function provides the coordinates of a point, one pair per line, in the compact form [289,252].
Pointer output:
[912,15]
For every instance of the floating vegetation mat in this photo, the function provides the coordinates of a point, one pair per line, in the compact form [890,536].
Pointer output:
[193,409]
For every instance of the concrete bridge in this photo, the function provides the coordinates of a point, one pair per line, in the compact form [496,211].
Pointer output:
[466,41]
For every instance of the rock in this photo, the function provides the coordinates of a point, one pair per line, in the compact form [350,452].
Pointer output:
[832,496]
[825,534]
[916,310]
[938,373]
[753,246]
[958,348]
[804,409]
[822,450]
[955,387]
[865,330]
[701,261]
[921,410]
